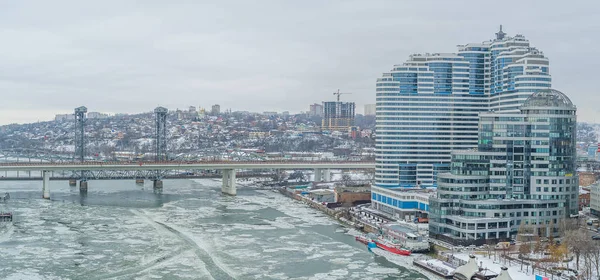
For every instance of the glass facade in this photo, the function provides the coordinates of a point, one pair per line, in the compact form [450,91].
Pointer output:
[429,106]
[523,172]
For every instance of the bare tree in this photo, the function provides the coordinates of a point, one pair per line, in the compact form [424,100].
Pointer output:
[538,249]
[489,245]
[594,251]
[577,241]
[346,180]
[566,225]
[587,267]
[524,250]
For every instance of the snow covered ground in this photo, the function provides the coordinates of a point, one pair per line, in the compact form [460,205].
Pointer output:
[514,269]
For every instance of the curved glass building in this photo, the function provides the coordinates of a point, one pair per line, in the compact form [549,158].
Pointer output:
[523,172]
[429,106]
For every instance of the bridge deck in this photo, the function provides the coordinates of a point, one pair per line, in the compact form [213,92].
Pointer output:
[214,165]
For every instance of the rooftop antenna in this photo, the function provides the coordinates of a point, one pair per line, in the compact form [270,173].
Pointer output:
[338,93]
[500,34]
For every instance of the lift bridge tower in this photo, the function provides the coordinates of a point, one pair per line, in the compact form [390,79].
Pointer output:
[161,144]
[80,120]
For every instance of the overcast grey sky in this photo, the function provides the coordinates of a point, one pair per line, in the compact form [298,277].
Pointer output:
[130,56]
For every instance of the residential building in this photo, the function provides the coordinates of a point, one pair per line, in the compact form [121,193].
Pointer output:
[215,110]
[595,199]
[316,110]
[369,110]
[429,106]
[64,117]
[584,198]
[258,134]
[353,132]
[96,115]
[338,116]
[523,172]
[587,178]
[591,152]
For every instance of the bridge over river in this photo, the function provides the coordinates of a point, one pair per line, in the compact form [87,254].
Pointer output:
[157,171]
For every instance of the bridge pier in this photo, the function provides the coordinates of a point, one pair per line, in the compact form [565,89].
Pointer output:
[46,184]
[327,175]
[157,186]
[83,186]
[318,175]
[228,186]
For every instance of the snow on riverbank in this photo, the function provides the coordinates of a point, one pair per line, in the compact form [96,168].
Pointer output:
[514,269]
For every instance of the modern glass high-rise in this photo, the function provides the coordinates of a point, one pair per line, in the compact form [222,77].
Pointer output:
[522,173]
[428,107]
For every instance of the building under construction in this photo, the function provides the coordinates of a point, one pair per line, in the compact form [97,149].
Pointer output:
[338,116]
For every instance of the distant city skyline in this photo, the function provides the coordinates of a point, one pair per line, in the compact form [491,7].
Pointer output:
[183,108]
[119,56]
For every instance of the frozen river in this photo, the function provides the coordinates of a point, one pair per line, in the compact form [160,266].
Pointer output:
[121,230]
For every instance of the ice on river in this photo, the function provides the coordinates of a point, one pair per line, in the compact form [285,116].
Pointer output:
[191,231]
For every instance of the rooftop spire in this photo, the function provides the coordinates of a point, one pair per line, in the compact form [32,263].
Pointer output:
[500,34]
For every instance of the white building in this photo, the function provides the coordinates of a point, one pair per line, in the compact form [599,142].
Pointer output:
[369,110]
[523,172]
[96,115]
[64,117]
[595,199]
[429,106]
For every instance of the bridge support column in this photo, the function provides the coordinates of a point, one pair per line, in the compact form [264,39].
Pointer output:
[318,175]
[157,186]
[327,175]
[228,186]
[46,184]
[72,182]
[83,186]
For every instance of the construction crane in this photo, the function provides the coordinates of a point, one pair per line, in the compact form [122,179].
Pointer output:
[338,93]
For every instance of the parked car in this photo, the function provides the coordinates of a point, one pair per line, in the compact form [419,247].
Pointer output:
[596,237]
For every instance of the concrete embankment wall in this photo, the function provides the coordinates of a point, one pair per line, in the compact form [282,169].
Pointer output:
[331,212]
[336,214]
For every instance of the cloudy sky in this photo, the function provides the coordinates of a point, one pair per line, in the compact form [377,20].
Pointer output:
[131,56]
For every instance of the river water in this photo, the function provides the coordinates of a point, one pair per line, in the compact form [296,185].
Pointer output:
[121,230]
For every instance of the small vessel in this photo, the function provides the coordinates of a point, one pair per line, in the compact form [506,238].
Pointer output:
[5,217]
[362,239]
[392,248]
[382,244]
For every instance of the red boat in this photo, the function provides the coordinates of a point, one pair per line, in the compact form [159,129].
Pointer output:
[392,248]
[362,239]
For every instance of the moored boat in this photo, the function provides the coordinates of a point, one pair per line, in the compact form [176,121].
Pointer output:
[362,239]
[392,248]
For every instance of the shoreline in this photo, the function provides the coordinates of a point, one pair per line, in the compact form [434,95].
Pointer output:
[403,261]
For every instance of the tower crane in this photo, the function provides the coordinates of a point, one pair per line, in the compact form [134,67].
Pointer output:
[338,93]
